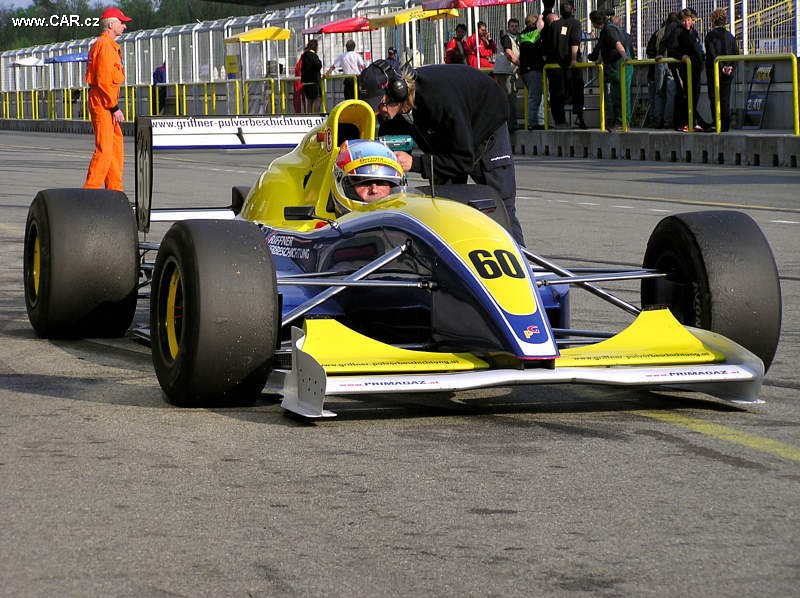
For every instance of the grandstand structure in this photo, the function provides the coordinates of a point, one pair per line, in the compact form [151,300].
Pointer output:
[195,53]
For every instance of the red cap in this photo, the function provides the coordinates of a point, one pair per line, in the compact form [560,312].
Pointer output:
[114,13]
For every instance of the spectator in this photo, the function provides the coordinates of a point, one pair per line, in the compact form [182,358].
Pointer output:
[531,65]
[567,38]
[612,49]
[720,42]
[104,75]
[555,76]
[506,69]
[311,76]
[351,63]
[480,48]
[391,58]
[661,85]
[457,118]
[455,52]
[686,46]
[160,80]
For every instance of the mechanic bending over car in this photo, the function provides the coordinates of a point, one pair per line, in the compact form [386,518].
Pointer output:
[365,171]
[457,115]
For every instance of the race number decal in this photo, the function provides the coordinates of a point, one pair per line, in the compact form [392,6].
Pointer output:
[494,265]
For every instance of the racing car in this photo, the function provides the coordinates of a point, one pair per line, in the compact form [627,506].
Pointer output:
[297,286]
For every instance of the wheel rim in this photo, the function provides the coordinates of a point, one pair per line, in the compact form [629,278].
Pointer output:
[173,318]
[33,265]
[36,264]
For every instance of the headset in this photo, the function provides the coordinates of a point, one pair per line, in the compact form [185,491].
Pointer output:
[396,86]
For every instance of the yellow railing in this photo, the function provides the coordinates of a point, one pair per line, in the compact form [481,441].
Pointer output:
[763,58]
[600,82]
[347,79]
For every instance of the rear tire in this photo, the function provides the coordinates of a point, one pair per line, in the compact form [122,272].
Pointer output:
[721,276]
[214,313]
[80,263]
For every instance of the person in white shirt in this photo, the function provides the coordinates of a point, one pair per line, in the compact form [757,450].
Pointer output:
[352,63]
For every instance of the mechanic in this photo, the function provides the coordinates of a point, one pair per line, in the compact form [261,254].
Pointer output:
[456,115]
[364,171]
[612,49]
[104,75]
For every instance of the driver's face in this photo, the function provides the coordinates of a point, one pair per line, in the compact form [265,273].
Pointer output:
[372,191]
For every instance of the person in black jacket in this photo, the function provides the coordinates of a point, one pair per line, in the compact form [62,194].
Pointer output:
[566,39]
[720,42]
[456,115]
[686,46]
[311,76]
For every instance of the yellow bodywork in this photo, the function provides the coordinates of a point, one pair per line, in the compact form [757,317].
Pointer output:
[469,233]
[654,338]
[303,177]
[340,350]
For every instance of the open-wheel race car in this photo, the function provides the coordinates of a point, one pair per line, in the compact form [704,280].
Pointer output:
[298,286]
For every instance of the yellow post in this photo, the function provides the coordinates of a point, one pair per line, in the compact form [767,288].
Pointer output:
[236,88]
[272,94]
[601,80]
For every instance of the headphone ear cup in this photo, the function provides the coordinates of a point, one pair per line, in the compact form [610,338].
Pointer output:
[397,90]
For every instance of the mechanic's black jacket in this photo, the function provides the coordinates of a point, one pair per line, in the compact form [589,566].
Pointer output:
[457,109]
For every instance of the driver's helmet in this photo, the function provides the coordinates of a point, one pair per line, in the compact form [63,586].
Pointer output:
[361,161]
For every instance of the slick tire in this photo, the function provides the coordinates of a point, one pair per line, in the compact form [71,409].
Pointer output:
[80,263]
[721,276]
[475,195]
[213,313]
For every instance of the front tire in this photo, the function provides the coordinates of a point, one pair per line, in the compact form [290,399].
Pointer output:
[721,276]
[213,313]
[80,263]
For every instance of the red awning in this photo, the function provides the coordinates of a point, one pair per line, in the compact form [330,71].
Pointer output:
[348,25]
[439,4]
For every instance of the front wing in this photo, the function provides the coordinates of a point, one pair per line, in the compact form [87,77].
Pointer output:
[730,372]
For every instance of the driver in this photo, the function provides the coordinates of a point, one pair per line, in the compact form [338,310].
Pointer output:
[365,171]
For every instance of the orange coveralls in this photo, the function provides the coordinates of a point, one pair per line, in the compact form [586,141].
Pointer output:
[104,75]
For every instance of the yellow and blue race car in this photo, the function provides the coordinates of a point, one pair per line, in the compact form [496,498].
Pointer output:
[423,290]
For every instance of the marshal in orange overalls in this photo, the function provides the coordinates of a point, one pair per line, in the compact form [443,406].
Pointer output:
[104,75]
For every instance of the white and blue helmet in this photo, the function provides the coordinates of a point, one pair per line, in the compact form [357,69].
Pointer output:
[361,161]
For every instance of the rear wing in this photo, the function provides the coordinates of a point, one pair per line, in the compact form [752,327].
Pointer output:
[207,132]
